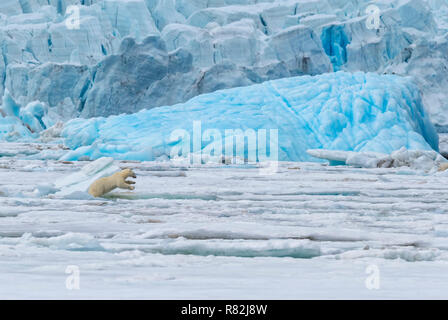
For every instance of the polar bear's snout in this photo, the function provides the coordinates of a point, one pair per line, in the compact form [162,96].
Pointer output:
[128,173]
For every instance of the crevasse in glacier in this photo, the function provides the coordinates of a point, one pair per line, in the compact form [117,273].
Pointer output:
[335,111]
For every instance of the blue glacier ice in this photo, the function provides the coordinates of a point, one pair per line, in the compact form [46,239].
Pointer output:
[22,123]
[334,111]
[192,47]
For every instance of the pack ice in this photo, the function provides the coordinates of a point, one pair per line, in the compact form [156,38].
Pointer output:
[335,111]
[428,160]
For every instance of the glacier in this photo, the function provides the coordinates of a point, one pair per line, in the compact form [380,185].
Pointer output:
[195,47]
[335,111]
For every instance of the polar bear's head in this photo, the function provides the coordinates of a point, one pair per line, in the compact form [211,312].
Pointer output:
[128,173]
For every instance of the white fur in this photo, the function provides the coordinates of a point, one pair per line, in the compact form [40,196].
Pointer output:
[118,180]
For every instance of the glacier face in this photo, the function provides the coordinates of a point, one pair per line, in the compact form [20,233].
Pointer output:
[203,46]
[335,111]
[115,39]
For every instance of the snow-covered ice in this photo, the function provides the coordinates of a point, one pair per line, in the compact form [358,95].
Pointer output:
[225,232]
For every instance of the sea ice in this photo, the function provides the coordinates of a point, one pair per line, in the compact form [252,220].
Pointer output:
[415,159]
[221,233]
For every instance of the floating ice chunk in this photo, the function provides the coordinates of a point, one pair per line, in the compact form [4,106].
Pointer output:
[52,133]
[35,116]
[337,111]
[80,181]
[44,189]
[416,159]
[359,159]
[303,249]
[69,241]
[9,106]
[77,195]
[22,123]
[12,129]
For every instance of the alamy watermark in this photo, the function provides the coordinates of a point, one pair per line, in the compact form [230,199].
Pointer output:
[373,17]
[373,281]
[228,146]
[73,20]
[73,280]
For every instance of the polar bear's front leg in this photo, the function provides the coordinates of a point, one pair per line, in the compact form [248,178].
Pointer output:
[124,185]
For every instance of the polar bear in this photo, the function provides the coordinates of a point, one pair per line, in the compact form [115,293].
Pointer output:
[443,166]
[118,180]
